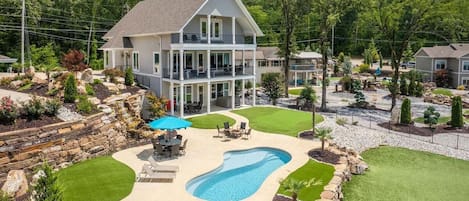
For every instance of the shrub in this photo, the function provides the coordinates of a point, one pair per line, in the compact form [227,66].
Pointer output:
[74,61]
[364,68]
[442,78]
[431,116]
[406,114]
[112,73]
[47,188]
[97,81]
[52,92]
[248,85]
[89,90]
[272,86]
[403,87]
[52,106]
[33,109]
[456,113]
[129,77]
[70,92]
[461,87]
[84,106]
[8,110]
[156,105]
[5,196]
[419,90]
[346,83]
[5,81]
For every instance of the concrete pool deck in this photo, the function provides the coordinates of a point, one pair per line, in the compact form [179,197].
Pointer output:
[204,153]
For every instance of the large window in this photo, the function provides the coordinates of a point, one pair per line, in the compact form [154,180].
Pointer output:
[465,65]
[216,28]
[220,90]
[465,82]
[106,55]
[175,62]
[188,94]
[261,63]
[136,61]
[156,62]
[220,60]
[440,64]
[276,63]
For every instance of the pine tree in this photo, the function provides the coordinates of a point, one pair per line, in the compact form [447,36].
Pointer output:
[406,114]
[47,187]
[70,91]
[129,77]
[456,113]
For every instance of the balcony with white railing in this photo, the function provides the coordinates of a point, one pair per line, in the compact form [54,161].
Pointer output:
[203,73]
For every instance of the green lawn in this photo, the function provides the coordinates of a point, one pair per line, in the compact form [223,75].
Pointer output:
[311,169]
[442,91]
[441,120]
[100,179]
[210,121]
[280,121]
[295,91]
[402,174]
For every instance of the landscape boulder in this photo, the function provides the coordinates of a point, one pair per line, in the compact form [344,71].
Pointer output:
[39,80]
[16,184]
[111,87]
[30,71]
[16,84]
[87,75]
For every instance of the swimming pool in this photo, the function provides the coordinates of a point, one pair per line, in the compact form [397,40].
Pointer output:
[240,175]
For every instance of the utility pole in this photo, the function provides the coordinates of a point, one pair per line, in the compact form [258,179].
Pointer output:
[23,12]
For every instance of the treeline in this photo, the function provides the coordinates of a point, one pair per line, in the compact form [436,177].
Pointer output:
[71,24]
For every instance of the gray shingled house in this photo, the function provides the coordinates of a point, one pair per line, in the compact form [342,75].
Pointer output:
[454,58]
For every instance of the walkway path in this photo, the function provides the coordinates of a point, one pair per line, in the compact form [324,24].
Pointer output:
[205,153]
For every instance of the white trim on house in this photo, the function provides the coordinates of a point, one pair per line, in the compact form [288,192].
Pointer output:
[213,22]
[439,62]
[192,17]
[136,62]
[213,47]
[251,20]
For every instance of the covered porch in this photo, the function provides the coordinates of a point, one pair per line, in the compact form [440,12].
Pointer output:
[192,98]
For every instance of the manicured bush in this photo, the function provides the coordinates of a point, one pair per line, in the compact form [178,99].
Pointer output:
[129,77]
[456,113]
[406,114]
[431,116]
[52,106]
[8,111]
[33,109]
[70,92]
[346,83]
[89,90]
[364,68]
[85,106]
[461,87]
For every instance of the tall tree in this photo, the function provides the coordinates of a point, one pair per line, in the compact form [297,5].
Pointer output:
[292,12]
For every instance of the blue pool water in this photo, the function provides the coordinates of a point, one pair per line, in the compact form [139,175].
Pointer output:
[240,175]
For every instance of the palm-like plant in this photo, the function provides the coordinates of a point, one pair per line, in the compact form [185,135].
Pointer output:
[48,69]
[323,134]
[294,186]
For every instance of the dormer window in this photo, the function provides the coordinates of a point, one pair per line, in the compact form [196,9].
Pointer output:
[216,28]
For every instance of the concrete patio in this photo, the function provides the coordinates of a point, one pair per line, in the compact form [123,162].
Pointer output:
[204,153]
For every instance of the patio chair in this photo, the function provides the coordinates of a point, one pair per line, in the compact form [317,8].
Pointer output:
[174,150]
[161,168]
[248,133]
[148,173]
[159,151]
[183,148]
[227,126]
[242,127]
[220,131]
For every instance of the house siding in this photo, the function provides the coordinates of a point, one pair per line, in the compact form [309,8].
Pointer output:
[453,65]
[221,8]
[145,46]
[194,28]
[424,64]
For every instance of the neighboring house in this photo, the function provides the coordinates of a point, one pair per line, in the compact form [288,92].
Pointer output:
[303,66]
[184,50]
[454,58]
[5,63]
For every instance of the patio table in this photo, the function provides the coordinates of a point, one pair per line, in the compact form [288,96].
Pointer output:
[170,142]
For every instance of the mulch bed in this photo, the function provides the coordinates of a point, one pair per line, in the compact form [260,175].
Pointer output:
[423,131]
[131,89]
[23,123]
[281,198]
[307,135]
[38,90]
[101,91]
[324,156]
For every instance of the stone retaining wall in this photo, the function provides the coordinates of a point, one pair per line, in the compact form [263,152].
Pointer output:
[350,163]
[67,142]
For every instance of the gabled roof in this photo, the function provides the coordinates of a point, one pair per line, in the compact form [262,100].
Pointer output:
[308,55]
[5,59]
[451,51]
[248,55]
[270,53]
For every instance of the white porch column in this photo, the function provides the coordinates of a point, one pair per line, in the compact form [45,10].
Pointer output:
[233,63]
[171,96]
[181,64]
[254,38]
[208,65]
[254,62]
[209,29]
[233,28]
[209,98]
[243,100]
[254,95]
[244,61]
[296,79]
[181,37]
[113,58]
[171,64]
[233,94]
[181,100]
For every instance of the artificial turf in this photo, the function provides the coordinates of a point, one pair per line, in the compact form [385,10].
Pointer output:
[295,91]
[279,121]
[441,120]
[99,179]
[403,174]
[311,169]
[210,121]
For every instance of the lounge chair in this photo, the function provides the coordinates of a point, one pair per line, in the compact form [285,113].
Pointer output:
[148,173]
[183,148]
[161,168]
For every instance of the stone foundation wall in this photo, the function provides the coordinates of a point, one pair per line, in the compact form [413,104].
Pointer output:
[67,142]
[350,163]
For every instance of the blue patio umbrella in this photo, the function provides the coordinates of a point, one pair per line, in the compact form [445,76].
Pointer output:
[169,123]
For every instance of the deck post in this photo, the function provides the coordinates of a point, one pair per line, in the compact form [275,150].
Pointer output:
[243,102]
[171,97]
[233,94]
[209,91]
[181,100]
[181,64]
[254,95]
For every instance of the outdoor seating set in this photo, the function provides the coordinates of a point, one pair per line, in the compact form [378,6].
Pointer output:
[164,146]
[234,132]
[155,171]
[195,107]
